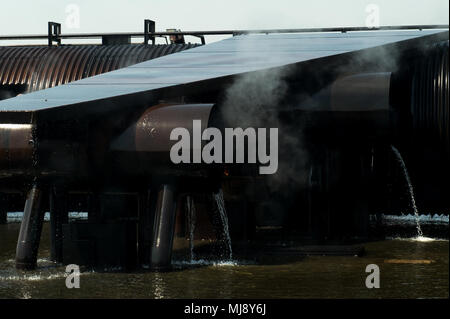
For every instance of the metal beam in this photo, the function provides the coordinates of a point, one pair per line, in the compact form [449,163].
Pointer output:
[223,32]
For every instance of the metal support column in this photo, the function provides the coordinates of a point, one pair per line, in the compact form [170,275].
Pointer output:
[54,33]
[149,27]
[30,229]
[58,217]
[164,227]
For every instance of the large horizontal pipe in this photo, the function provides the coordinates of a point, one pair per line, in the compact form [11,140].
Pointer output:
[32,68]
[356,105]
[147,144]
[16,147]
[353,106]
[352,103]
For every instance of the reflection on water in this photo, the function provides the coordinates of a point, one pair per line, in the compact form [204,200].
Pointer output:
[310,277]
[421,239]
[159,286]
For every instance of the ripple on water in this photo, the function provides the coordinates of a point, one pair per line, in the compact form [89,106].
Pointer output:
[32,277]
[421,239]
[205,262]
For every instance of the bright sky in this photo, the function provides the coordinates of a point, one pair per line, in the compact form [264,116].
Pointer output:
[31,16]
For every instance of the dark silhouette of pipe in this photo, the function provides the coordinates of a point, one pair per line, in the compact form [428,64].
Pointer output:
[164,227]
[30,229]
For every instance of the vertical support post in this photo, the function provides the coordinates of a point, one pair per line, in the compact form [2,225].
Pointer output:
[54,32]
[149,27]
[202,39]
[58,216]
[3,209]
[147,198]
[30,229]
[94,209]
[164,227]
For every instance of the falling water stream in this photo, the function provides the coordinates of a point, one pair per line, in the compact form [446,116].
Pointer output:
[411,190]
[224,219]
[191,221]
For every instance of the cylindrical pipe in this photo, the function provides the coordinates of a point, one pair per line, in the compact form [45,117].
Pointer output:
[15,147]
[30,230]
[144,147]
[164,227]
[429,97]
[58,216]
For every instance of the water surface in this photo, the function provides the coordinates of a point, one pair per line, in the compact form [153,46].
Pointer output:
[303,277]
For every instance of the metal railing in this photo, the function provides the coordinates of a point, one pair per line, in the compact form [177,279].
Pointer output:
[149,35]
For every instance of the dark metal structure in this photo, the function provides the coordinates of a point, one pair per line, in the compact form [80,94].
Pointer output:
[150,33]
[339,98]
[26,69]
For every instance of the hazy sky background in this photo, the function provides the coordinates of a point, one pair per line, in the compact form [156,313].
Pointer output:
[31,16]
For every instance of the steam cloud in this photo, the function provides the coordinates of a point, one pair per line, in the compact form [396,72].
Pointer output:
[252,100]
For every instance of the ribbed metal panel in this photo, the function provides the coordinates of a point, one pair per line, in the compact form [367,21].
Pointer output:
[18,64]
[430,107]
[41,67]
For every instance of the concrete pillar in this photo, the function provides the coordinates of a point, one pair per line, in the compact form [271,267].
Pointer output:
[164,227]
[58,216]
[30,229]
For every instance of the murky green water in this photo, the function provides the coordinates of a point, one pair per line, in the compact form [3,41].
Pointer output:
[309,277]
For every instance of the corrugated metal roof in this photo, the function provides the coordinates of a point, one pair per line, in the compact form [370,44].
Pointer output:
[229,57]
[45,67]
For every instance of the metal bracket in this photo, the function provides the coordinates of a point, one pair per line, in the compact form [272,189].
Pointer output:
[202,38]
[149,27]
[54,33]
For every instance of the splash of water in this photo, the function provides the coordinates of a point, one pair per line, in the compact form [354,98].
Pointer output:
[411,190]
[190,208]
[223,216]
[206,262]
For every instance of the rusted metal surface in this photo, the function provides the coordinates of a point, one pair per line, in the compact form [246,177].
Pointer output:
[146,143]
[151,132]
[18,64]
[15,147]
[41,67]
